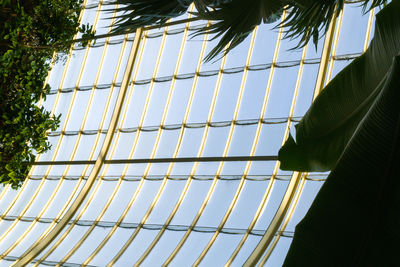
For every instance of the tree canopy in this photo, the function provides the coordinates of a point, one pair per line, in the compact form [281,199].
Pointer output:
[30,32]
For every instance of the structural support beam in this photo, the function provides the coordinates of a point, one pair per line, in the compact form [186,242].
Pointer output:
[159,160]
[261,247]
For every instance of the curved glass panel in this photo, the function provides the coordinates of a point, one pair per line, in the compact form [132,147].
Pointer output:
[182,182]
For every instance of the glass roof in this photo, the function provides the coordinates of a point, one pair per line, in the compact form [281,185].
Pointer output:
[163,159]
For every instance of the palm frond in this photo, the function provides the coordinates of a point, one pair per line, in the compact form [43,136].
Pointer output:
[310,19]
[304,22]
[236,19]
[204,5]
[140,13]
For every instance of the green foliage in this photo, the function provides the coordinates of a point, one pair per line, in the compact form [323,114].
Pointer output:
[234,20]
[31,31]
[326,128]
[353,129]
[355,219]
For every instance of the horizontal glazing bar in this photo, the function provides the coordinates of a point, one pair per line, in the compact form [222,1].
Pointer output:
[208,73]
[154,128]
[150,226]
[133,30]
[136,178]
[47,263]
[159,160]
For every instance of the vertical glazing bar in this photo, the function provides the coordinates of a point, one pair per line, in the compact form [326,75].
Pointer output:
[286,221]
[276,221]
[303,180]
[26,232]
[295,176]
[144,112]
[77,186]
[22,189]
[254,146]
[162,186]
[185,189]
[200,152]
[114,228]
[333,52]
[100,67]
[40,245]
[368,33]
[302,183]
[289,195]
[91,155]
[130,155]
[227,146]
[326,52]
[79,243]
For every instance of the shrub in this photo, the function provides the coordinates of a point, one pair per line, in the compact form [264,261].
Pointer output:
[31,31]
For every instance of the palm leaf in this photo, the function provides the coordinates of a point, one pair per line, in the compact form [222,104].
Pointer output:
[140,13]
[326,128]
[355,219]
[235,20]
[306,20]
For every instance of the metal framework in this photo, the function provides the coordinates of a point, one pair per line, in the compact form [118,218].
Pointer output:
[162,159]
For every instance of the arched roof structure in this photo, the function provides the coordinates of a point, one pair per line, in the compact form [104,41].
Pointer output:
[163,159]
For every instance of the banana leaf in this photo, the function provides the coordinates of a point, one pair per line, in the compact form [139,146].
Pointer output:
[326,128]
[355,218]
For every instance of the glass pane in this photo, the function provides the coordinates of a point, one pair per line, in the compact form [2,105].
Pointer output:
[99,200]
[192,248]
[279,253]
[166,203]
[308,194]
[42,198]
[274,200]
[142,202]
[264,46]
[25,197]
[247,204]
[218,204]
[68,243]
[253,95]
[164,248]
[221,250]
[170,54]
[120,201]
[191,203]
[242,140]
[245,251]
[227,97]
[135,250]
[111,248]
[157,103]
[353,30]
[282,91]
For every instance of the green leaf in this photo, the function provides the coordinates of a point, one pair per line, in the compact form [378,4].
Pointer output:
[235,20]
[135,14]
[355,219]
[326,128]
